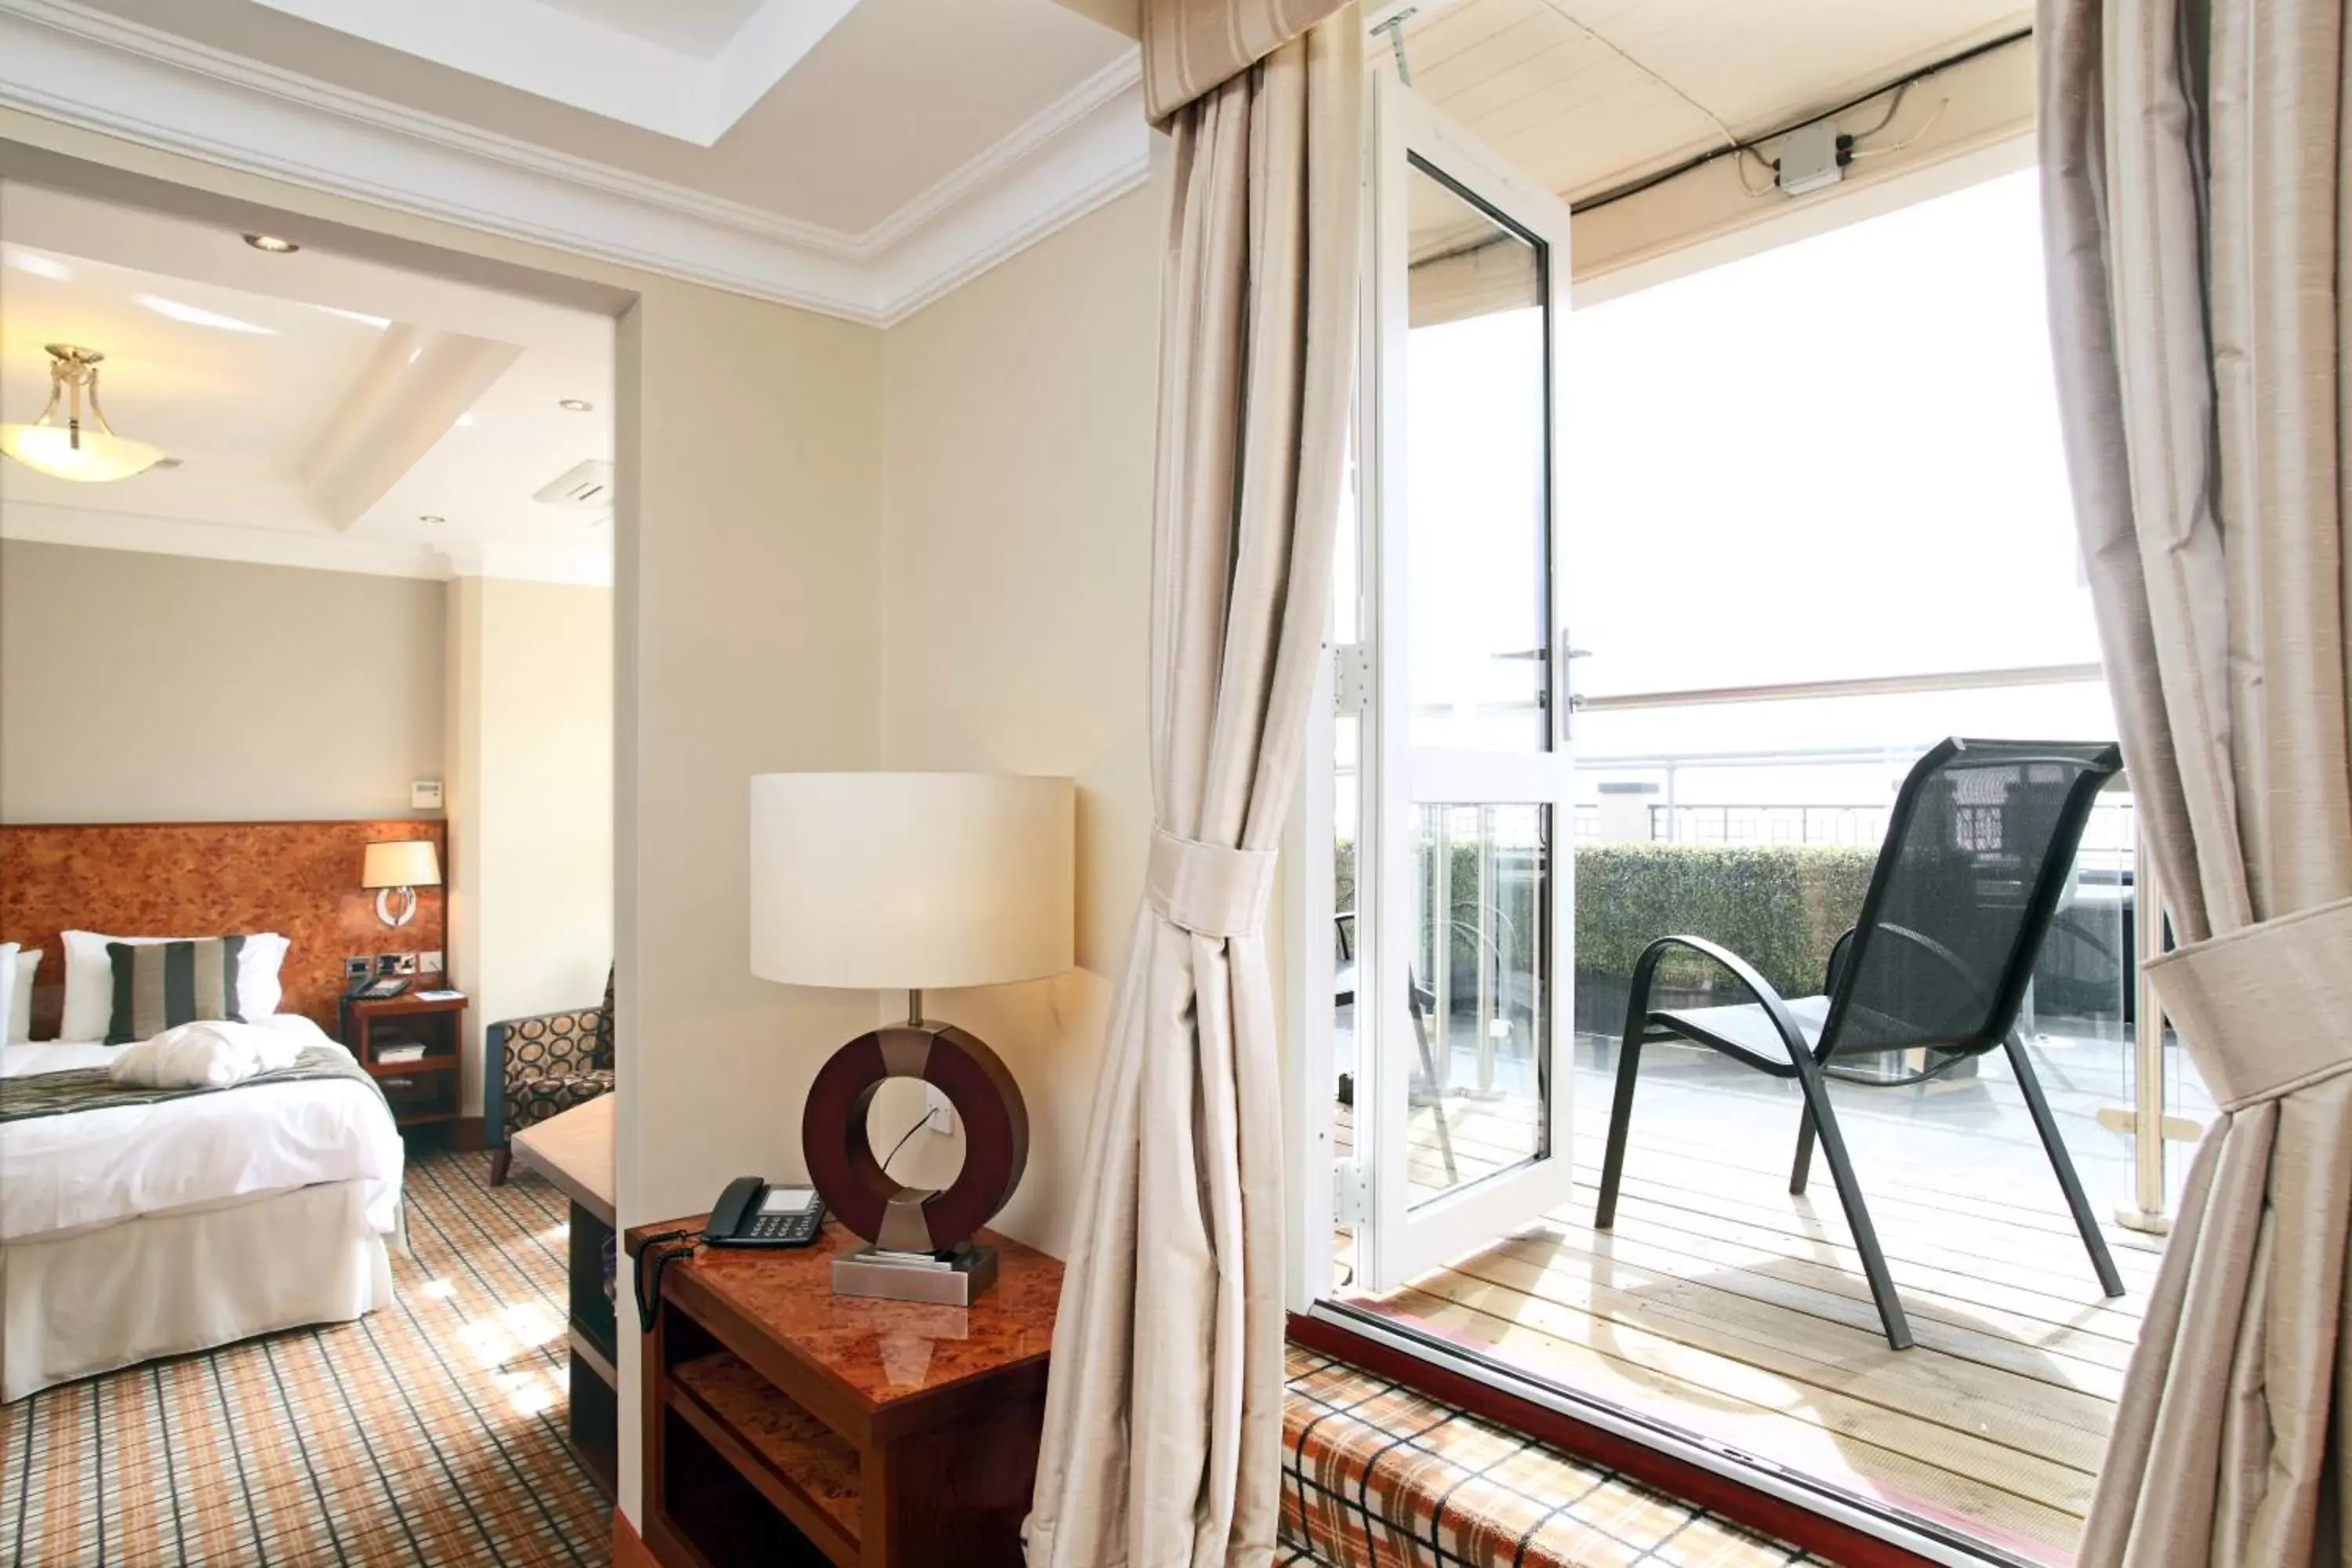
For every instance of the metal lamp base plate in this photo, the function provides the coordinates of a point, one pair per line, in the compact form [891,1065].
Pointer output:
[954,1281]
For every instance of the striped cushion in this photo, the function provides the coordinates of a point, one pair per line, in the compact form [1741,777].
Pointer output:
[161,985]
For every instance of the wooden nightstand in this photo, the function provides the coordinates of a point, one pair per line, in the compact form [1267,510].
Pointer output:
[422,1090]
[789,1428]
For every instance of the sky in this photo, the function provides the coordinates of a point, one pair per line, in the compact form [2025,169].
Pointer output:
[1839,457]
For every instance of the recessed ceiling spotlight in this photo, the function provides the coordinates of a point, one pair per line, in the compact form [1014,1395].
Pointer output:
[577,406]
[464,420]
[430,519]
[163,463]
[271,244]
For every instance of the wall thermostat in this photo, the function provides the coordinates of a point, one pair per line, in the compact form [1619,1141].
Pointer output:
[425,794]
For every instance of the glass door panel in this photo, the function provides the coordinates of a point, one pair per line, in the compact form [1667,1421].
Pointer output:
[1476,513]
[1462,952]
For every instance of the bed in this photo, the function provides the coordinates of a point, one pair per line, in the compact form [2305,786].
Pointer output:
[138,1231]
[130,1231]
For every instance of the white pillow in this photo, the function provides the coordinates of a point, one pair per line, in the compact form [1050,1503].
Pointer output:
[90,979]
[17,986]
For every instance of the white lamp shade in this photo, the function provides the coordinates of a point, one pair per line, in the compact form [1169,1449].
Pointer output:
[403,863]
[92,455]
[908,882]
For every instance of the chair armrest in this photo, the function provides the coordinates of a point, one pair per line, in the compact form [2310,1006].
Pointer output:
[1637,1006]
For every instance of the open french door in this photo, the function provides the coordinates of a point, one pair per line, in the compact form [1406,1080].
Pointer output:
[1449,725]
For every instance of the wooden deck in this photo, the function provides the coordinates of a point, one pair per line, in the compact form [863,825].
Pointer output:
[1727,1308]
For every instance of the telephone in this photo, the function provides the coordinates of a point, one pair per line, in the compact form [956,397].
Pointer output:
[750,1212]
[379,989]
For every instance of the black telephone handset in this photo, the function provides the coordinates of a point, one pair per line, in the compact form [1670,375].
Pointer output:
[750,1212]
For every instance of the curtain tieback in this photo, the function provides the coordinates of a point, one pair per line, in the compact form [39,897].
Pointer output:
[2261,1010]
[1210,890]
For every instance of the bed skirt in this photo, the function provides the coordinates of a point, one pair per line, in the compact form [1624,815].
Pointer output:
[170,1284]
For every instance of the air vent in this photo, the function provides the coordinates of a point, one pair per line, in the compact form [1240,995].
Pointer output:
[586,487]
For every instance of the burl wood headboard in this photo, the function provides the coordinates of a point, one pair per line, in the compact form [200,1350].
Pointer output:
[206,878]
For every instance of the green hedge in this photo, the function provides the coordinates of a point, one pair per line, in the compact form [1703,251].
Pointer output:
[1780,906]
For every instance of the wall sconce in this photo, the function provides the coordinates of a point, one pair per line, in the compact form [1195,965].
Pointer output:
[396,870]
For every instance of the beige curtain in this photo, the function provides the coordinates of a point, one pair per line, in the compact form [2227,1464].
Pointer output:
[1164,1419]
[2194,168]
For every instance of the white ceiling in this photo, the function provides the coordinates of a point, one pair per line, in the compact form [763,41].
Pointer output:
[697,27]
[1587,95]
[863,157]
[855,156]
[320,407]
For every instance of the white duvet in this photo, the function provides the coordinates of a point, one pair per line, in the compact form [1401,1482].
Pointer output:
[65,1174]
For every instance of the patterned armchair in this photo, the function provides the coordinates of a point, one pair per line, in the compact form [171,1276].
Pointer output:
[538,1067]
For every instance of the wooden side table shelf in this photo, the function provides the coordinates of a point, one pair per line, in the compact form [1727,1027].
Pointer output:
[423,1092]
[574,1151]
[784,1424]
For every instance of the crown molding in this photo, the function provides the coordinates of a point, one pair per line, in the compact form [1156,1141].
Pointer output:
[95,528]
[100,72]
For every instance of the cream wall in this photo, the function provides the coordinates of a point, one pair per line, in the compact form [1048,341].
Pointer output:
[1016,563]
[747,438]
[531,801]
[138,688]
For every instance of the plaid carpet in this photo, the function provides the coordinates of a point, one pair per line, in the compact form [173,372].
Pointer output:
[429,1432]
[1375,1476]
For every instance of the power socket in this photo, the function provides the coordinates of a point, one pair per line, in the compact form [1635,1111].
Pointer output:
[938,1111]
[430,962]
[356,969]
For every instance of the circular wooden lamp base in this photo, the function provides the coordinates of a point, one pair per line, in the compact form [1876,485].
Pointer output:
[922,1238]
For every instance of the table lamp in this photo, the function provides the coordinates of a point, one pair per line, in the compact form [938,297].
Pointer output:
[912,881]
[396,869]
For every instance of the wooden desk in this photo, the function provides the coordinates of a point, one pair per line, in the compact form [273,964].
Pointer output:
[787,1425]
[574,1151]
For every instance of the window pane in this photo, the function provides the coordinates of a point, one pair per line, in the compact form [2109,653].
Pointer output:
[1476,535]
[1480,997]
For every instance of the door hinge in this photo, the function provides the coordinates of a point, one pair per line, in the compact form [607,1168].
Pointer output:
[1352,677]
[1350,1199]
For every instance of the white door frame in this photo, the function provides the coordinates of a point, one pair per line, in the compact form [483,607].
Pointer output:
[1394,1241]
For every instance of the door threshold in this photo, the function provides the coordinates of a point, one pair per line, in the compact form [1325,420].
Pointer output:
[1758,1493]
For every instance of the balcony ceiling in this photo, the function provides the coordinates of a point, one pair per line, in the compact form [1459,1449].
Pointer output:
[1587,95]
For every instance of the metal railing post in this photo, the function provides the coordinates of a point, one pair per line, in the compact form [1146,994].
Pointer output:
[2146,1210]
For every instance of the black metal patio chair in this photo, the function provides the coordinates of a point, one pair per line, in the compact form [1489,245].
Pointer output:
[1978,849]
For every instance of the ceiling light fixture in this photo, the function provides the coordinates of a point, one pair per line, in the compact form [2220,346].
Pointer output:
[196,316]
[271,244]
[576,406]
[464,420]
[82,447]
[430,519]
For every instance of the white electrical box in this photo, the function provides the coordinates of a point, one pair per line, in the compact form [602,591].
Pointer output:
[1809,158]
[425,794]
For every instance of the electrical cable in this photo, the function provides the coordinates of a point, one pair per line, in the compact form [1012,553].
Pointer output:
[1732,140]
[1748,147]
[901,1143]
[1894,108]
[654,1255]
[1925,126]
